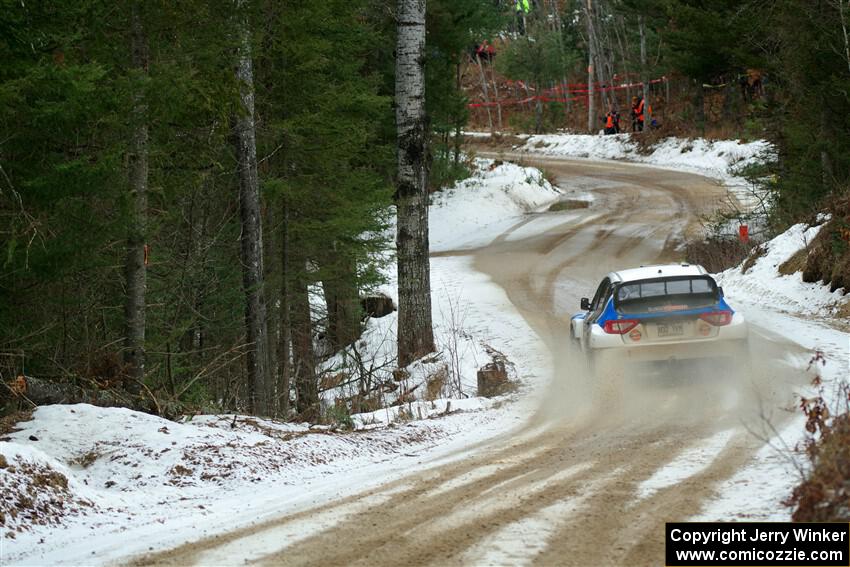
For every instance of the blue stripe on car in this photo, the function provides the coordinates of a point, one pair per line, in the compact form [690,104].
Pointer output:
[611,314]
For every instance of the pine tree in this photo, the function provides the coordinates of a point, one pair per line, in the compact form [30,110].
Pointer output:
[326,168]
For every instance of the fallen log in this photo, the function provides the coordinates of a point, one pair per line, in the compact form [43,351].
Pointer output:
[28,390]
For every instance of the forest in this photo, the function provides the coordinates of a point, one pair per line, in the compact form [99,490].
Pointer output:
[197,197]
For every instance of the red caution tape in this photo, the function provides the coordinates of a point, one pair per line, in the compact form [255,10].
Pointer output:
[580,89]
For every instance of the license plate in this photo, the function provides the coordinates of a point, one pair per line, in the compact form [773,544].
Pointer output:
[670,330]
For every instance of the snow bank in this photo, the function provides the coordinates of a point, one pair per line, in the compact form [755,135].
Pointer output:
[763,284]
[801,312]
[478,209]
[37,490]
[123,482]
[713,158]
[719,159]
[468,310]
[84,484]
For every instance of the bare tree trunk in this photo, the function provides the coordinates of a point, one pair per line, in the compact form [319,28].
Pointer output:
[303,356]
[496,94]
[343,301]
[459,121]
[273,267]
[527,94]
[252,230]
[284,350]
[136,260]
[644,74]
[622,44]
[557,26]
[699,101]
[604,68]
[485,92]
[591,101]
[415,331]
[538,112]
[842,18]
[827,172]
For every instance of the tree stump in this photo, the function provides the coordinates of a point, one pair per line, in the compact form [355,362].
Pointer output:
[492,379]
[377,306]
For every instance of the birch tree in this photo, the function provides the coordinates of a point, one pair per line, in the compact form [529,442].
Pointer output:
[251,239]
[136,256]
[644,73]
[591,60]
[415,332]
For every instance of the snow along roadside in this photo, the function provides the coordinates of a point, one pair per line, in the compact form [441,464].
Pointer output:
[718,159]
[112,483]
[795,310]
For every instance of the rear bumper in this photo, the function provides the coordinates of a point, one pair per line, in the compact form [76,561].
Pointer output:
[730,341]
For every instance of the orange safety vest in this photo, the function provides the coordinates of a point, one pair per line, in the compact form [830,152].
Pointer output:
[609,123]
[639,110]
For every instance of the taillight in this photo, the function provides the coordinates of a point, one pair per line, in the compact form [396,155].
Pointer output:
[717,318]
[620,326]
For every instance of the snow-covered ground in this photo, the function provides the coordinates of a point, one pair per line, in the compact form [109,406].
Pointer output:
[796,311]
[483,206]
[139,481]
[86,485]
[717,158]
[472,318]
[799,312]
[723,160]
[787,293]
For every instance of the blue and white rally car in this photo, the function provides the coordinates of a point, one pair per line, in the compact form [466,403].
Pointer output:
[657,314]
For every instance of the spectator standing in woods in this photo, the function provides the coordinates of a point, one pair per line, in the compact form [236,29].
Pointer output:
[612,121]
[637,113]
[522,9]
[485,51]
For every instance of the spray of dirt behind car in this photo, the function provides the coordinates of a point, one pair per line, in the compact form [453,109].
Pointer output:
[649,319]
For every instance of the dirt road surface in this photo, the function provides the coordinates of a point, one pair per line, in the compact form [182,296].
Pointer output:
[571,487]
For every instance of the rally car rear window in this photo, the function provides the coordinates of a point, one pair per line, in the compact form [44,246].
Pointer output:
[666,294]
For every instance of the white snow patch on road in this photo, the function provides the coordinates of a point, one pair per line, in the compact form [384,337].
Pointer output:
[539,224]
[265,542]
[756,492]
[686,464]
[485,471]
[520,542]
[504,499]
